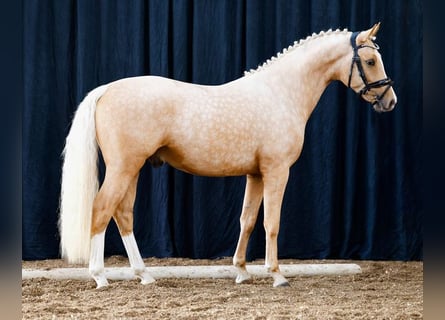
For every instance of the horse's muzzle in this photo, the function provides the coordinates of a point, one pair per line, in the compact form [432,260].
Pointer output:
[383,105]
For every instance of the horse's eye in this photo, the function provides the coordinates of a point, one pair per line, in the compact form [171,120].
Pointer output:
[370,62]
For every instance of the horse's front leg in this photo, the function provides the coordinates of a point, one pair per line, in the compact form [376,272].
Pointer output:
[252,200]
[274,185]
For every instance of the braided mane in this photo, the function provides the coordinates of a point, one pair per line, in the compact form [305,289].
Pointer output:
[291,48]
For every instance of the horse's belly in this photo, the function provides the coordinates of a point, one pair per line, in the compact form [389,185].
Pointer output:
[215,163]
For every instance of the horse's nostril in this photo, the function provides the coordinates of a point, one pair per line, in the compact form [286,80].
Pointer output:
[392,104]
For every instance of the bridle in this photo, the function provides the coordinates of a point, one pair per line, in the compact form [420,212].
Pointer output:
[368,86]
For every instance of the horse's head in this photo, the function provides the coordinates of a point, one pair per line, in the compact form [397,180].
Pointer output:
[367,75]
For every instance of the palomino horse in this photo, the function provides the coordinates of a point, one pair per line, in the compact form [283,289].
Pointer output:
[252,126]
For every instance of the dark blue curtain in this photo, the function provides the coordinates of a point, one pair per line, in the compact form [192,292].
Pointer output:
[354,192]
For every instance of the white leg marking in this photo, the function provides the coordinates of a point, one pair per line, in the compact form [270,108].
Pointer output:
[279,280]
[242,275]
[96,266]
[135,258]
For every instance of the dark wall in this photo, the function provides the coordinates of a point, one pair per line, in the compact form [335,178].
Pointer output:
[353,194]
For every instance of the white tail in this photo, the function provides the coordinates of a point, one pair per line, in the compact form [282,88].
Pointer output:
[79,181]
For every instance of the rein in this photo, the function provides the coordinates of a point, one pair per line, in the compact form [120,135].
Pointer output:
[368,86]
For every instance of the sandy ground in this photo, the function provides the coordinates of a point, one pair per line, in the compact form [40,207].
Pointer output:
[384,290]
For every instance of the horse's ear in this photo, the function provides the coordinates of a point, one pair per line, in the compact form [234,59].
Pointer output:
[369,34]
[374,31]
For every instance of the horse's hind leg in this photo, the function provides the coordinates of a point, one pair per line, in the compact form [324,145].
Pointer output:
[252,200]
[124,221]
[110,195]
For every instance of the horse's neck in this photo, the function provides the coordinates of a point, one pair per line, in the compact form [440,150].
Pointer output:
[303,74]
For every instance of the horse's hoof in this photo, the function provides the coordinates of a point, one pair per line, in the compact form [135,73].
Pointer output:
[145,281]
[283,284]
[145,277]
[279,281]
[243,278]
[101,282]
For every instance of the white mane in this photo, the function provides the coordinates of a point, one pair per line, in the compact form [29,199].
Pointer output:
[291,48]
